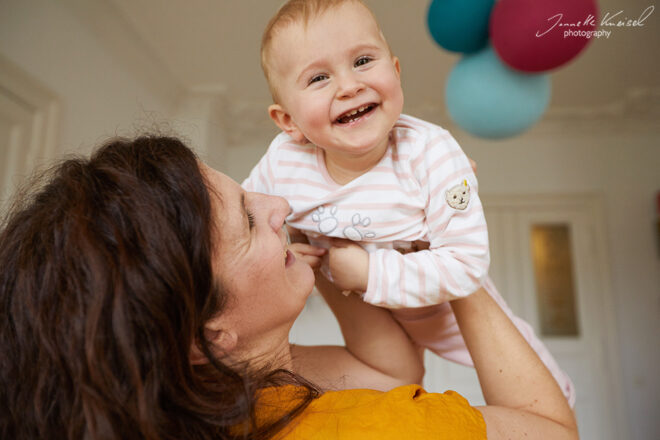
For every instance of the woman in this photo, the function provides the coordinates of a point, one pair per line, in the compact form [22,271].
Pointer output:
[145,295]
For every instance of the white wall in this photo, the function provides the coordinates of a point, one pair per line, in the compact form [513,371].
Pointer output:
[100,95]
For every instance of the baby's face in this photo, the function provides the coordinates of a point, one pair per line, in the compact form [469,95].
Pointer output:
[337,81]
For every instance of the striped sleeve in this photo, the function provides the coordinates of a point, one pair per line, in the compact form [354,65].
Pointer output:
[457,261]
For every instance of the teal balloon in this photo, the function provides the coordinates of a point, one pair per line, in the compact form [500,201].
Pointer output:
[490,100]
[460,25]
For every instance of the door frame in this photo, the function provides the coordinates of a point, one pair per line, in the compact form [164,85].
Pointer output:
[32,113]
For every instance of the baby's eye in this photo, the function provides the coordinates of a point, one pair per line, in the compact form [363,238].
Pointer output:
[250,218]
[362,61]
[317,78]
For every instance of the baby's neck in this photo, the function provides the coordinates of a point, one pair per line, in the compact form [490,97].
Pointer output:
[343,168]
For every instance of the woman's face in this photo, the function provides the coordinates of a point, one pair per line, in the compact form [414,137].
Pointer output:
[266,286]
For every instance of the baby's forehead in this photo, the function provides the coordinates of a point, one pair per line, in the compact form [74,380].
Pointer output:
[280,53]
[302,22]
[287,34]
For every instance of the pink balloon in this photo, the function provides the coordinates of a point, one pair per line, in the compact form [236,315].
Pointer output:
[540,35]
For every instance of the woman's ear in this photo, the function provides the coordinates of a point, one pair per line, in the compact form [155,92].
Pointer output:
[220,339]
[283,120]
[196,356]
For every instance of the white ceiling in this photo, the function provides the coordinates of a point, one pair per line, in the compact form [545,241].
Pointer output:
[214,45]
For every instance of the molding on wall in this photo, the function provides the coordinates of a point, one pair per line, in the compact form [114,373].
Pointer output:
[120,38]
[247,122]
[200,121]
[637,103]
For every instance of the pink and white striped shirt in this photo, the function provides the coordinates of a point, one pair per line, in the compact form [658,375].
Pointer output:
[413,193]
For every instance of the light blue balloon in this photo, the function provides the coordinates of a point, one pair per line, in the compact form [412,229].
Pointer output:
[489,100]
[459,25]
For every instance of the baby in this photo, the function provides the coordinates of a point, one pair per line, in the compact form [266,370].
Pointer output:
[353,167]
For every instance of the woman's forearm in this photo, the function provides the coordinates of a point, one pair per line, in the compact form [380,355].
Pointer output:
[520,392]
[373,336]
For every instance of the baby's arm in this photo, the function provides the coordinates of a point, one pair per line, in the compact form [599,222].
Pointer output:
[457,260]
[349,266]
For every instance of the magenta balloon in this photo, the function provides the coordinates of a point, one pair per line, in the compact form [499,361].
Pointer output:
[540,35]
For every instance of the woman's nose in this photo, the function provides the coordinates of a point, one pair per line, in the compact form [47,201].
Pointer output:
[279,210]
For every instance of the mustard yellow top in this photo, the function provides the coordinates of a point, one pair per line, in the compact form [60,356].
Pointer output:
[407,412]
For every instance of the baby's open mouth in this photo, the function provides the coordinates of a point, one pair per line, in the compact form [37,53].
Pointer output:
[355,114]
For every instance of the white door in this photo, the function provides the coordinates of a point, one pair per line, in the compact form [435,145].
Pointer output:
[587,348]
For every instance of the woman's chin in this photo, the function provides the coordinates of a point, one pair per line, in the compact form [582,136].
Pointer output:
[308,279]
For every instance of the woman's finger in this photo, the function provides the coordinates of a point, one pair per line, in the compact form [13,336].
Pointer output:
[307,249]
[313,262]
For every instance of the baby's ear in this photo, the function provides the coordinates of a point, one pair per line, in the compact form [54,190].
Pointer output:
[283,120]
[397,66]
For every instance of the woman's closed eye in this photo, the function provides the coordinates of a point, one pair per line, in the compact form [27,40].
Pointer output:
[247,212]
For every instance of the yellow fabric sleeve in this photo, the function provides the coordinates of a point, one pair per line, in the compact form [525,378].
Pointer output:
[406,412]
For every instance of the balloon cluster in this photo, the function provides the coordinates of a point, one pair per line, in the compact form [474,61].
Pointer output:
[501,87]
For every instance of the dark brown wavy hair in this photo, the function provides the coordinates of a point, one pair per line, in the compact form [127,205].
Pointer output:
[105,284]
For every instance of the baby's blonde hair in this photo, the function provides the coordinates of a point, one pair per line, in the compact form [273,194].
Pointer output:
[292,12]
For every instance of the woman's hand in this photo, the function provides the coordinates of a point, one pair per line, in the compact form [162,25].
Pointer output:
[311,255]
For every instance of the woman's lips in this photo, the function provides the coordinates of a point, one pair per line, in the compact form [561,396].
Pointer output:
[290,258]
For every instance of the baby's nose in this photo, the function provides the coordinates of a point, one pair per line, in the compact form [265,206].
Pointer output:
[349,86]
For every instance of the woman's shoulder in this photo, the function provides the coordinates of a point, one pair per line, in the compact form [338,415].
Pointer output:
[409,399]
[403,412]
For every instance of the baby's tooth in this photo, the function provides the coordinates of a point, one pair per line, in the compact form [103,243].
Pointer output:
[354,112]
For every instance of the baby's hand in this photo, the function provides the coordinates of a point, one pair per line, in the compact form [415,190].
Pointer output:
[308,253]
[349,266]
